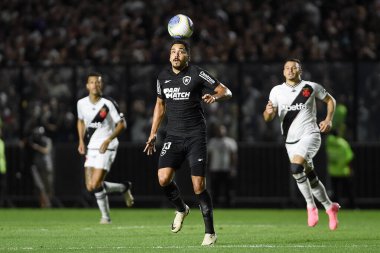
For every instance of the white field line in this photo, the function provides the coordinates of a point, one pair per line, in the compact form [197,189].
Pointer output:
[111,226]
[234,246]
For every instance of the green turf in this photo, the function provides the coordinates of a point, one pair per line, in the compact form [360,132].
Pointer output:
[148,230]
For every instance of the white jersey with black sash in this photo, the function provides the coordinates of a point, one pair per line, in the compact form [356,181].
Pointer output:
[100,120]
[297,108]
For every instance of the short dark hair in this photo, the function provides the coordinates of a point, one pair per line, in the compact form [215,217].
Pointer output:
[182,42]
[94,74]
[295,60]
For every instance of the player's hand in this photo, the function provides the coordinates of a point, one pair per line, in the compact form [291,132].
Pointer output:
[150,146]
[104,146]
[81,148]
[269,108]
[325,126]
[208,99]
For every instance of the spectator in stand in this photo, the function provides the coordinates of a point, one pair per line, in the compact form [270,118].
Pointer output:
[3,170]
[42,165]
[48,34]
[222,152]
[339,158]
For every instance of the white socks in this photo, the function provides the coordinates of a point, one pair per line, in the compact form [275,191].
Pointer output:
[320,194]
[102,200]
[304,187]
[114,187]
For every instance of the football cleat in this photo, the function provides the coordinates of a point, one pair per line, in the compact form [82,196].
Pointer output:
[128,198]
[333,216]
[209,239]
[105,221]
[312,216]
[179,218]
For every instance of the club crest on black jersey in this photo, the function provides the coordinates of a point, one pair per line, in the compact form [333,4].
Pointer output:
[183,93]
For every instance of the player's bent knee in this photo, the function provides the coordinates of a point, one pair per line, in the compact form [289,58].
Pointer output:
[97,189]
[90,188]
[165,176]
[199,184]
[163,180]
[298,173]
[296,168]
[198,188]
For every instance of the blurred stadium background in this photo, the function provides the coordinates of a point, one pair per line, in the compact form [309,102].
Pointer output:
[48,47]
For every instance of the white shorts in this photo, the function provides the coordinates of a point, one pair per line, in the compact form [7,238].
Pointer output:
[96,160]
[307,147]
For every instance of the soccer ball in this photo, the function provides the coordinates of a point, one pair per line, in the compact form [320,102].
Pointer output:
[180,27]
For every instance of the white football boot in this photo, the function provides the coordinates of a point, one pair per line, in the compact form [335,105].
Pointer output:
[128,198]
[178,219]
[209,240]
[105,221]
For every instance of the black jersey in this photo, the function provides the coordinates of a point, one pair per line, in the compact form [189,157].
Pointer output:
[182,93]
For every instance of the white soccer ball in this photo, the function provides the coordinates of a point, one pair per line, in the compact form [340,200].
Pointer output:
[180,27]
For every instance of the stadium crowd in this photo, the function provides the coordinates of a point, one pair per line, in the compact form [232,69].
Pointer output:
[100,32]
[38,35]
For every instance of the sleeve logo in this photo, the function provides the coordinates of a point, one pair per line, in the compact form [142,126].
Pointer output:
[158,88]
[206,77]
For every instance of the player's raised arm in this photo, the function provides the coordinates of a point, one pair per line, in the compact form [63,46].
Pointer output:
[221,93]
[158,115]
[269,112]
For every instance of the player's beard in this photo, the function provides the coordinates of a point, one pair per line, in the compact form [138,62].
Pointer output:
[179,66]
[295,78]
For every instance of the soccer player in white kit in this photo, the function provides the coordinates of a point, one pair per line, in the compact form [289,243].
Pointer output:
[99,123]
[294,102]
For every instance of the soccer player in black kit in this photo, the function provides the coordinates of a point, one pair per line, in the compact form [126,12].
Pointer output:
[179,96]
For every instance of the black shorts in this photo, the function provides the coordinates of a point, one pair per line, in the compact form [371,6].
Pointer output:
[177,149]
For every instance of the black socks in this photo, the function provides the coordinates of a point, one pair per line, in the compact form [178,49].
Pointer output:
[205,204]
[174,196]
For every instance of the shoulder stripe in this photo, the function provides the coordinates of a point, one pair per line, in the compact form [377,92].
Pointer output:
[114,103]
[98,119]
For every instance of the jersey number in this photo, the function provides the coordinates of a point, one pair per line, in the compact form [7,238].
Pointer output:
[165,148]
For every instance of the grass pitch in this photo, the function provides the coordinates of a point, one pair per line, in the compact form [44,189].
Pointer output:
[148,230]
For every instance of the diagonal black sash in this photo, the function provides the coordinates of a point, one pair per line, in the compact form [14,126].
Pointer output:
[99,118]
[302,97]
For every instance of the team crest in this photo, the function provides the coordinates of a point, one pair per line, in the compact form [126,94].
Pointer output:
[306,92]
[186,80]
[103,113]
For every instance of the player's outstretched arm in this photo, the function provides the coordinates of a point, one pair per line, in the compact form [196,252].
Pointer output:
[221,93]
[269,112]
[158,115]
[326,124]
